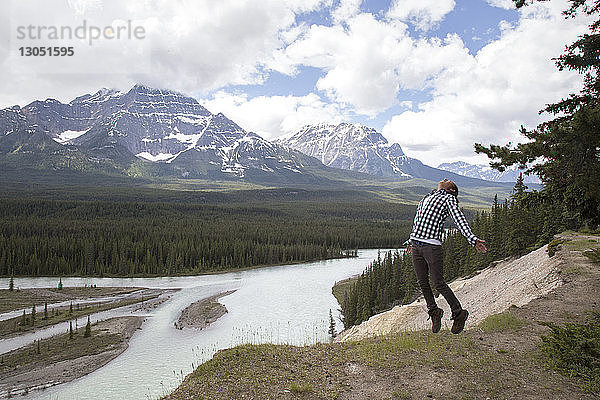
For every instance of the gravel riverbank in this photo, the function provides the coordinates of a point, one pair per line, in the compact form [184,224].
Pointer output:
[202,313]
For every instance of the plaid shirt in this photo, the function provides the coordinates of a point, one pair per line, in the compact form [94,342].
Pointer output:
[431,214]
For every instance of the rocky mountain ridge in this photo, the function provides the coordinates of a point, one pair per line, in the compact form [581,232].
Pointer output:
[153,125]
[155,133]
[359,148]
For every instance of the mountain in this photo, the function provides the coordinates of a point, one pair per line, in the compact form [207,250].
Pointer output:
[146,135]
[350,146]
[144,132]
[487,173]
[359,148]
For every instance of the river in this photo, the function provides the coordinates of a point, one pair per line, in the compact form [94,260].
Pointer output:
[285,305]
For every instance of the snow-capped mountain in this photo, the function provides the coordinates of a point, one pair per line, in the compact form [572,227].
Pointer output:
[157,126]
[359,148]
[350,146]
[485,172]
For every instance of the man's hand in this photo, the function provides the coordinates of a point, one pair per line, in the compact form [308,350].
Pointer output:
[480,246]
[408,249]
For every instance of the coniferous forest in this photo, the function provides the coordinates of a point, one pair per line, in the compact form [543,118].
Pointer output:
[511,228]
[120,238]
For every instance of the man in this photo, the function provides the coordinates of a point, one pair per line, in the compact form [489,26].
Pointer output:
[425,245]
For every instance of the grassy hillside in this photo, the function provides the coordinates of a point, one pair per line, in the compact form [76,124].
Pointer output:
[507,356]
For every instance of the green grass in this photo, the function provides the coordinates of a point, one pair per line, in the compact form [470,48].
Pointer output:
[401,394]
[399,366]
[584,244]
[501,323]
[386,350]
[266,372]
[553,246]
[325,371]
[301,388]
[593,255]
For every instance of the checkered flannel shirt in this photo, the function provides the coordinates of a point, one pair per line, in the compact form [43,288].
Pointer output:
[433,211]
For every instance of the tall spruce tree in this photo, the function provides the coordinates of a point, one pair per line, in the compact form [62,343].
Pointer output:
[331,325]
[565,151]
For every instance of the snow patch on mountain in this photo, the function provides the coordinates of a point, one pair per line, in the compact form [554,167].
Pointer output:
[66,136]
[155,158]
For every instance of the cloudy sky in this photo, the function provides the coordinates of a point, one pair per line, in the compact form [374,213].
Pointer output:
[434,76]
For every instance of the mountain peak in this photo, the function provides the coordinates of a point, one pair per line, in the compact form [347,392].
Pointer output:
[142,89]
[487,173]
[100,95]
[349,146]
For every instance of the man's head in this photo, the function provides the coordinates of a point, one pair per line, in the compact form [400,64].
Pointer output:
[448,186]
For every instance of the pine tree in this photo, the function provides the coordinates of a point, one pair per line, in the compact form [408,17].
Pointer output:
[564,150]
[33,315]
[70,329]
[331,325]
[88,328]
[520,188]
[60,285]
[24,319]
[71,308]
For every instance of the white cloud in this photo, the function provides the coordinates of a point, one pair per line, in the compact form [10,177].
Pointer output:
[346,9]
[368,62]
[273,116]
[192,45]
[424,14]
[365,62]
[490,95]
[506,4]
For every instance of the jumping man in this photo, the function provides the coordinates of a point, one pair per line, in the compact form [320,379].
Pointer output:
[425,245]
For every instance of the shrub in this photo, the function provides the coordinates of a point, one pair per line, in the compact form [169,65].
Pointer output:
[574,350]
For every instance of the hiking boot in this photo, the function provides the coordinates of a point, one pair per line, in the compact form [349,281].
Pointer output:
[436,319]
[459,321]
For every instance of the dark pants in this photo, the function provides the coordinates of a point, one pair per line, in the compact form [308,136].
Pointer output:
[428,260]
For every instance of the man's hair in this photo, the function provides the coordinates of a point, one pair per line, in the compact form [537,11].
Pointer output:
[450,187]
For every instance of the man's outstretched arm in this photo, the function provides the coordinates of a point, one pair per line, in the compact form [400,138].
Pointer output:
[463,225]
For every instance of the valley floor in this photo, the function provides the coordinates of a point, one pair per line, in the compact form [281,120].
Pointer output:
[500,358]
